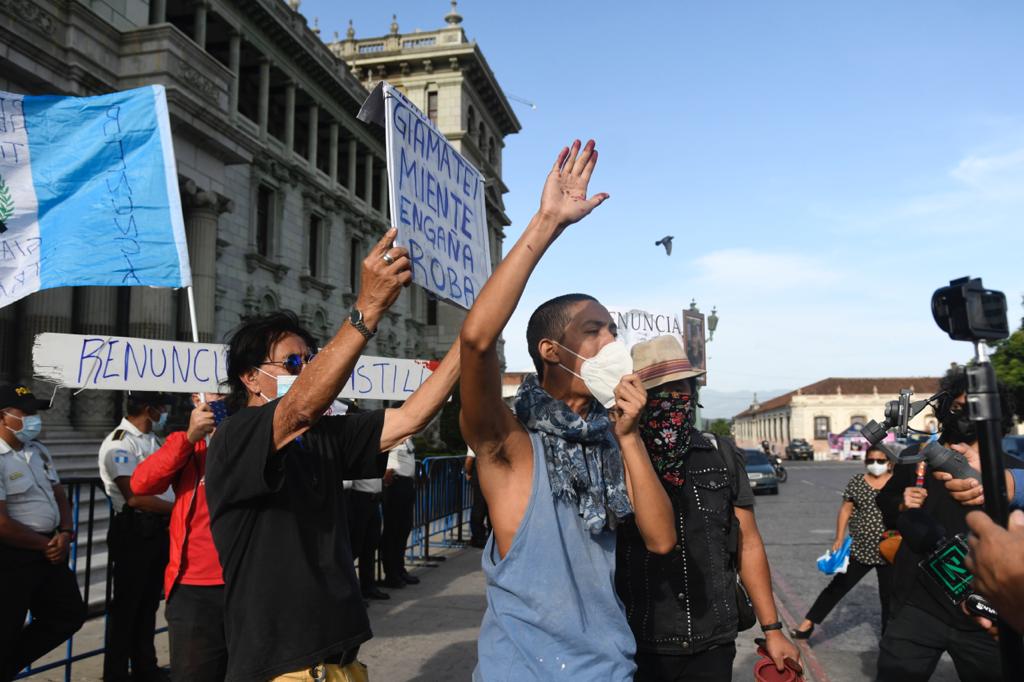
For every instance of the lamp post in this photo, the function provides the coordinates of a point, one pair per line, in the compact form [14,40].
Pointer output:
[712,323]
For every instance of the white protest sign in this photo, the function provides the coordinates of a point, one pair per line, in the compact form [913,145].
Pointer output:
[128,364]
[437,204]
[635,325]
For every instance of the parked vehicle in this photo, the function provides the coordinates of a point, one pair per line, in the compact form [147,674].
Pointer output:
[1014,445]
[761,473]
[800,449]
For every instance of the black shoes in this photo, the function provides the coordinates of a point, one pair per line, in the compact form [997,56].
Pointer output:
[374,593]
[479,544]
[410,579]
[802,634]
[394,583]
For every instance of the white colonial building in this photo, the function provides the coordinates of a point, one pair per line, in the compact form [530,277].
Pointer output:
[828,406]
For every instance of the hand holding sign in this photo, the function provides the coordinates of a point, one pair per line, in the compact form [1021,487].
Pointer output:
[385,271]
[564,198]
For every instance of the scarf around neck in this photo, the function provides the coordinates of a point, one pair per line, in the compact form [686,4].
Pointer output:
[583,460]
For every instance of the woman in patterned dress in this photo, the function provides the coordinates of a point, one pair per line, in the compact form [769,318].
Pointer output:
[861,512]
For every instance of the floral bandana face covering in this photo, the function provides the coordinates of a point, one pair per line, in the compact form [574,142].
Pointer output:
[666,426]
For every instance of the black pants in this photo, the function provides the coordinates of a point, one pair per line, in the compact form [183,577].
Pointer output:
[195,628]
[30,583]
[478,515]
[915,640]
[844,582]
[138,545]
[364,531]
[713,665]
[399,499]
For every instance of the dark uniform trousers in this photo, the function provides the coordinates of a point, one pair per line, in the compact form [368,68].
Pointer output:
[478,515]
[195,625]
[399,499]
[364,532]
[30,583]
[138,544]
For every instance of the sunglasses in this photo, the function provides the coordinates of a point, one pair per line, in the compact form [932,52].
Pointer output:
[876,461]
[294,363]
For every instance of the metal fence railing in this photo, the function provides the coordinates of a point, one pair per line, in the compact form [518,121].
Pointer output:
[443,497]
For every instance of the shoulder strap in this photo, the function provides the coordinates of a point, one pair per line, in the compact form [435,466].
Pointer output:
[729,458]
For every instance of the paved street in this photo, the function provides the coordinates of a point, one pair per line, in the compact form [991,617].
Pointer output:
[428,632]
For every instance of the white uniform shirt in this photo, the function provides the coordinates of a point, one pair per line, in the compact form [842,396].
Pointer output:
[27,477]
[366,485]
[403,459]
[120,453]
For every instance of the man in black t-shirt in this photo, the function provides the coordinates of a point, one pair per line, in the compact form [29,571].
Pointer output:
[924,622]
[274,482]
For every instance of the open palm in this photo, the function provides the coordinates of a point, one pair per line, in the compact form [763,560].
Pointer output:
[565,191]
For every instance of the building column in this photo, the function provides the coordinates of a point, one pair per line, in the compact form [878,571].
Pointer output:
[368,172]
[235,65]
[46,311]
[382,188]
[199,24]
[202,210]
[289,117]
[157,11]
[97,315]
[352,151]
[151,313]
[264,103]
[313,137]
[332,154]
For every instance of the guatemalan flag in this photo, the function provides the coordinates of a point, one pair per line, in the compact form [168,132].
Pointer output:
[88,193]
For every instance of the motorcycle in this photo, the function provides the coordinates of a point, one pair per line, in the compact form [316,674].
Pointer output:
[780,471]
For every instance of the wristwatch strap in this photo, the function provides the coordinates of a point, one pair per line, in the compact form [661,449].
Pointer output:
[360,326]
[771,626]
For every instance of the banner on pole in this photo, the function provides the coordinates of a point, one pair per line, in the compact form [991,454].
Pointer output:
[436,199]
[127,364]
[89,193]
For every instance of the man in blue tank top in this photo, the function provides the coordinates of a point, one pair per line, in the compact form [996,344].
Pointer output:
[561,472]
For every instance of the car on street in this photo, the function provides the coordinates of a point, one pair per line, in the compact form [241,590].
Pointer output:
[799,448]
[761,473]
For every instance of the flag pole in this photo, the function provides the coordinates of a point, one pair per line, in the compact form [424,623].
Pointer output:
[195,325]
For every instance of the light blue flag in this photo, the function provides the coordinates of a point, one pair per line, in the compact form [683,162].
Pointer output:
[89,193]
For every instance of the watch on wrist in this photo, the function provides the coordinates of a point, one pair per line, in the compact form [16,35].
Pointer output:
[355,316]
[771,626]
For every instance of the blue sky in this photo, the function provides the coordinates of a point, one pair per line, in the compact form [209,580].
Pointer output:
[822,166]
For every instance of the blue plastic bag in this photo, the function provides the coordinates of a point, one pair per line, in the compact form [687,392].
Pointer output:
[831,562]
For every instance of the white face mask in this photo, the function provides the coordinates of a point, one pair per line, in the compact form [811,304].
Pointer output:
[284,382]
[877,468]
[602,373]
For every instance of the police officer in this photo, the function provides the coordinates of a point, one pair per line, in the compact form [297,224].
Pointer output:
[138,541]
[35,531]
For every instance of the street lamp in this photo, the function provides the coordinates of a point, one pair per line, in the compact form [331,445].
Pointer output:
[712,323]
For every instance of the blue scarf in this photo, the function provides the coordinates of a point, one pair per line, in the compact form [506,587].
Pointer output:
[583,460]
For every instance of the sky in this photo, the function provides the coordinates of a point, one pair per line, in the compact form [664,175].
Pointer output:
[823,167]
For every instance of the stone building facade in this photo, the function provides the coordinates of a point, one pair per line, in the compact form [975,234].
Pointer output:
[283,189]
[828,406]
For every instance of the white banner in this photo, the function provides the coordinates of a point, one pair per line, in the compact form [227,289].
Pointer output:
[127,364]
[635,326]
[437,203]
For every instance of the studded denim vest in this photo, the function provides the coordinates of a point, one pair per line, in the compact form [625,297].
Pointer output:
[685,602]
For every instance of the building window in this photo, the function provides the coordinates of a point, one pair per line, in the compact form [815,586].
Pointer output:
[491,154]
[315,243]
[481,137]
[432,107]
[821,428]
[858,419]
[355,247]
[431,310]
[264,219]
[471,119]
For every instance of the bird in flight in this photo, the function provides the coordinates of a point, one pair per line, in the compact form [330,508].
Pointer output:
[667,243]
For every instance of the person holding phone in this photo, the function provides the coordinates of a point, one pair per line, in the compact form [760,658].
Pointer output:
[193,583]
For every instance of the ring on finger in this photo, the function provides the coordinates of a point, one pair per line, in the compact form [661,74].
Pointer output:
[387,258]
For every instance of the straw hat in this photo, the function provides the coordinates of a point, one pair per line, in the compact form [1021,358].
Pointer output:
[662,360]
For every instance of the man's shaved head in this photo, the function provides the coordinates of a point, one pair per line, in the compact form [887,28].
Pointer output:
[549,321]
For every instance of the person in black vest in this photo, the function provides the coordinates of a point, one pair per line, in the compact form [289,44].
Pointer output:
[682,607]
[399,502]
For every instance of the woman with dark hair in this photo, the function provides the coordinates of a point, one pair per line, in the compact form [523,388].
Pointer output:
[292,603]
[860,511]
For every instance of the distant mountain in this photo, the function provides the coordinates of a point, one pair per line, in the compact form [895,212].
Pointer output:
[727,404]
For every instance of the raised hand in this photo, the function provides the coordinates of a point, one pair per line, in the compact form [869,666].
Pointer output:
[630,399]
[565,192]
[386,270]
[201,423]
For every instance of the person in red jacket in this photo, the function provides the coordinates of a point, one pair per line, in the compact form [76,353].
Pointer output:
[193,583]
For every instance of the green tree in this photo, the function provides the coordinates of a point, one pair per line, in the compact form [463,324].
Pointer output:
[721,427]
[1008,361]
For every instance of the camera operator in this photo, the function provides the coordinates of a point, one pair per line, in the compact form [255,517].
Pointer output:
[925,622]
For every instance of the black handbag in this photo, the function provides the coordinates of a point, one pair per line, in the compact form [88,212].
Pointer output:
[745,617]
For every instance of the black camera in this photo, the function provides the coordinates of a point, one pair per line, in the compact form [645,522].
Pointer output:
[967,311]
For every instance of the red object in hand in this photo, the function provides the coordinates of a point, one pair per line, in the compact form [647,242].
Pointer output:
[765,670]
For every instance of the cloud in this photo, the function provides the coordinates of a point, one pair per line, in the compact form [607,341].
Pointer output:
[773,271]
[998,176]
